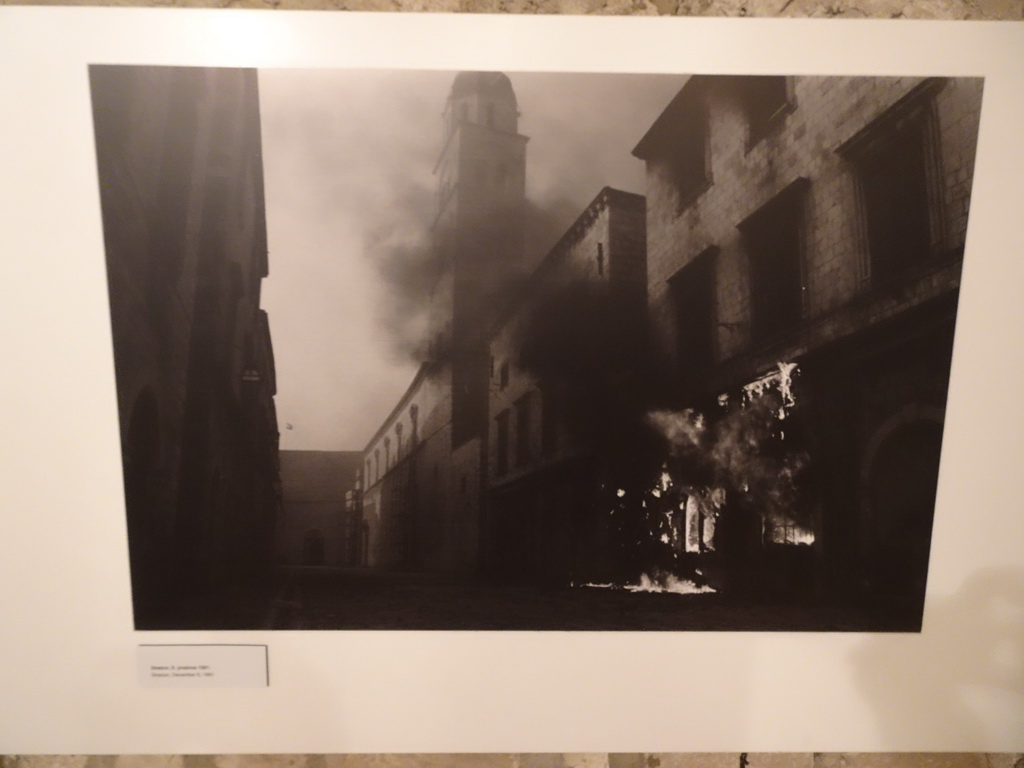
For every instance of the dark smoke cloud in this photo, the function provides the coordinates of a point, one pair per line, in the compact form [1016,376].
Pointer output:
[409,266]
[578,144]
[348,162]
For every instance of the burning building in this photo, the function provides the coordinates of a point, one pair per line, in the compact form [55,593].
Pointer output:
[181,183]
[740,382]
[805,244]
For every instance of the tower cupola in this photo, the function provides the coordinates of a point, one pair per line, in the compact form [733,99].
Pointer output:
[482,98]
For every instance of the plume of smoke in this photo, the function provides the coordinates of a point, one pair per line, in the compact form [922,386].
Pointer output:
[685,430]
[410,267]
[411,257]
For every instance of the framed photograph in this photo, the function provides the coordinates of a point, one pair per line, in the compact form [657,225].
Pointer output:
[597,374]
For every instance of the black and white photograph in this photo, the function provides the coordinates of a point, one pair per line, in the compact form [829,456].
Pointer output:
[482,350]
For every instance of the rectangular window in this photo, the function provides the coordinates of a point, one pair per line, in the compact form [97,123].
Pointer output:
[676,147]
[693,293]
[773,236]
[523,431]
[688,155]
[501,447]
[765,102]
[894,162]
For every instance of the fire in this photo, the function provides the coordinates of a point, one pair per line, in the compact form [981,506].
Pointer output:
[666,583]
[739,454]
[669,583]
[780,380]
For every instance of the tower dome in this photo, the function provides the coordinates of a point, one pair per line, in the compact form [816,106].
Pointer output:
[483,98]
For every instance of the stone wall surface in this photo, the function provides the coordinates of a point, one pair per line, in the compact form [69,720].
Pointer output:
[850,9]
[827,111]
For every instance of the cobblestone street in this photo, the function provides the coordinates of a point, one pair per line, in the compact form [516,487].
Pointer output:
[362,599]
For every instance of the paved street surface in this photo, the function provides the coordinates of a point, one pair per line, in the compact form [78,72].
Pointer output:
[362,599]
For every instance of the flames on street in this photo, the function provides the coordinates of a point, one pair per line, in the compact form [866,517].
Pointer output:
[738,456]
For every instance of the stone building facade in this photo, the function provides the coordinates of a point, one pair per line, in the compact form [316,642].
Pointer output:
[181,184]
[546,515]
[805,243]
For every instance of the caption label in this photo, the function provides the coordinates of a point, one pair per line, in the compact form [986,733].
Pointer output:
[203,666]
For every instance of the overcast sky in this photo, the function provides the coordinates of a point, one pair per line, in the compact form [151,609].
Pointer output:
[348,163]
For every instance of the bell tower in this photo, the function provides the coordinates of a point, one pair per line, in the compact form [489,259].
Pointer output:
[478,232]
[482,168]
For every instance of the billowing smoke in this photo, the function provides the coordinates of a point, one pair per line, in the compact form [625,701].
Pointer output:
[409,265]
[411,261]
[589,341]
[546,222]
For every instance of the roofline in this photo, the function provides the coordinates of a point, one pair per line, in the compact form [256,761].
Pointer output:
[421,374]
[649,138]
[604,199]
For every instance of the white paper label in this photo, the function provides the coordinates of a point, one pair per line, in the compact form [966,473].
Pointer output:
[203,666]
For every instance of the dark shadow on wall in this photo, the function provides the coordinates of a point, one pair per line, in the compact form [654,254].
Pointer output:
[959,684]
